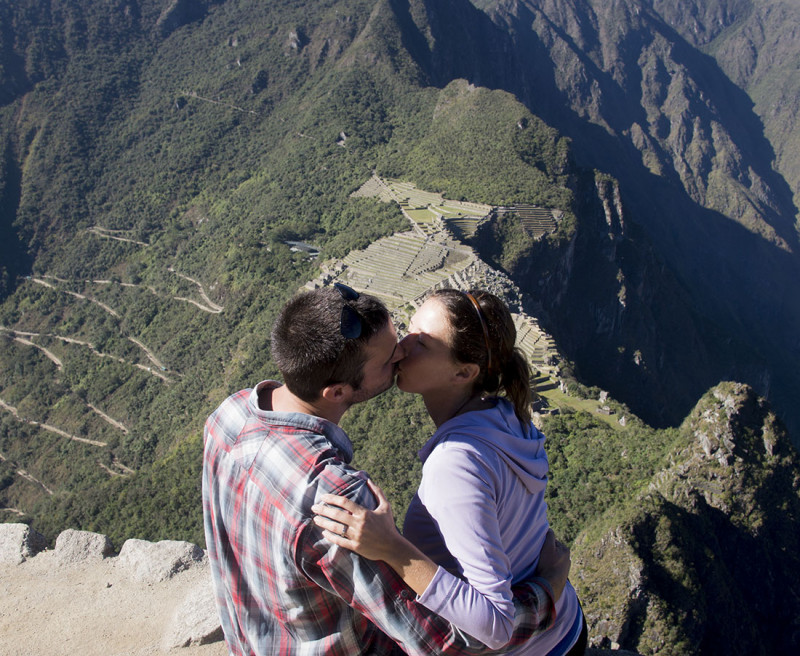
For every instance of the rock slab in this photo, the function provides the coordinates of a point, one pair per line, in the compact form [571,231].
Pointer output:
[195,621]
[73,546]
[151,562]
[18,542]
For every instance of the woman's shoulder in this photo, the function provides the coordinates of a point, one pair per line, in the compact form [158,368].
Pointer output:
[461,448]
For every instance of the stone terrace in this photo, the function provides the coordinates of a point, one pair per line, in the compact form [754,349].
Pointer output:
[536,220]
[403,267]
[426,209]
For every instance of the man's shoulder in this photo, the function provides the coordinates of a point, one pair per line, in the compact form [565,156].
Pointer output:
[229,416]
[301,462]
[352,483]
[327,472]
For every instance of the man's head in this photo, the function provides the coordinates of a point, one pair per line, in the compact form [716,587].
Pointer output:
[334,336]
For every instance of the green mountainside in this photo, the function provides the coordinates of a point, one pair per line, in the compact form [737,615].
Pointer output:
[161,159]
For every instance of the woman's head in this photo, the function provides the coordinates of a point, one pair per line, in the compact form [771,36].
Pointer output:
[478,328]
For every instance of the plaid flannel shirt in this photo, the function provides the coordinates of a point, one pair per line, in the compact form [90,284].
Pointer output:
[281,588]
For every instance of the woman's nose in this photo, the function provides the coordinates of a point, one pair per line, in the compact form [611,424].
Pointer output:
[403,345]
[399,352]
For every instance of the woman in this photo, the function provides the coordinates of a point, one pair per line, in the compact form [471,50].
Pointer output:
[480,509]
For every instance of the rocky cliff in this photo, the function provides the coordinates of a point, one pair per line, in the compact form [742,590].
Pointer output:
[704,559]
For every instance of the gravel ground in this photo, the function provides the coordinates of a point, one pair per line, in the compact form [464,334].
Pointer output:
[48,609]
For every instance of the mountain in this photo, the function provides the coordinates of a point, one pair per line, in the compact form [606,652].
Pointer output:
[649,94]
[688,565]
[162,159]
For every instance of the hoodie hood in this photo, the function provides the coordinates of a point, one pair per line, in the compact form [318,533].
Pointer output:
[521,446]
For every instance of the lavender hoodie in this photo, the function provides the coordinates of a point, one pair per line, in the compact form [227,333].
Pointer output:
[480,513]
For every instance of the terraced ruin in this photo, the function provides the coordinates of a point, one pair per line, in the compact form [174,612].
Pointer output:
[537,221]
[430,212]
[404,268]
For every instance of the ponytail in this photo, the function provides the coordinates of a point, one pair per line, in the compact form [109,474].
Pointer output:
[515,381]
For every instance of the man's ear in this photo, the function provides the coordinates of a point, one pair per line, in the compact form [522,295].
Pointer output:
[467,373]
[337,393]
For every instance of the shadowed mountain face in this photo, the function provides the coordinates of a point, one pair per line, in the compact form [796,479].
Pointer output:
[628,83]
[729,491]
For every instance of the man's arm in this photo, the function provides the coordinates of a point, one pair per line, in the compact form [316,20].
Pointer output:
[373,535]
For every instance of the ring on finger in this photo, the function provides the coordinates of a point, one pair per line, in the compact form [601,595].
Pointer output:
[344,531]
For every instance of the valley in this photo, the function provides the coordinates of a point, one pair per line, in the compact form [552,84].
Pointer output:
[400,269]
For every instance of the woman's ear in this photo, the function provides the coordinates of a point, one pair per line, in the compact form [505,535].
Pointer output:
[467,373]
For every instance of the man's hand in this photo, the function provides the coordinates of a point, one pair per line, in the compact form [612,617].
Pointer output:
[554,563]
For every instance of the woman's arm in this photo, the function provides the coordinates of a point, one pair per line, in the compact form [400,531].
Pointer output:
[374,535]
[459,492]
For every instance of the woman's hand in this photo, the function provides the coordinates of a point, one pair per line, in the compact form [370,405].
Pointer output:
[373,535]
[370,533]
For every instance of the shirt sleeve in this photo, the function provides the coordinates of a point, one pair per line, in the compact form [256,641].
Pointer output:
[463,504]
[373,589]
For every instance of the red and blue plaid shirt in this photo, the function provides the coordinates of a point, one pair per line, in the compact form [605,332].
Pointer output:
[281,588]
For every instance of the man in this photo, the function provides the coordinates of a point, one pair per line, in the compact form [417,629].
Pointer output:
[270,453]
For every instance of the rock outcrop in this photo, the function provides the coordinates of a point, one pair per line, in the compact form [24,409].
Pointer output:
[74,546]
[79,598]
[18,542]
[151,562]
[704,558]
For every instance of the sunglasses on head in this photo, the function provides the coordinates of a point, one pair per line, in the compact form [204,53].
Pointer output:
[350,321]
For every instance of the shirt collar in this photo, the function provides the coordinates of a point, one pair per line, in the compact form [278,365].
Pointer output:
[331,431]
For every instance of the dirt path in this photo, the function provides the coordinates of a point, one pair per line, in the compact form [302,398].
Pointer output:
[197,304]
[48,427]
[212,307]
[103,306]
[50,355]
[91,347]
[27,477]
[110,420]
[110,471]
[22,473]
[148,353]
[107,234]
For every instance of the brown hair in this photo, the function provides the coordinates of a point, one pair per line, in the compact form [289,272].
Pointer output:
[484,334]
[308,345]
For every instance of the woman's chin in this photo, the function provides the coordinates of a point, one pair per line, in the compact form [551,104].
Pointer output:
[402,383]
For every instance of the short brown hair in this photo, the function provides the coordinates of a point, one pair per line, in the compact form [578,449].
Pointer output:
[308,346]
